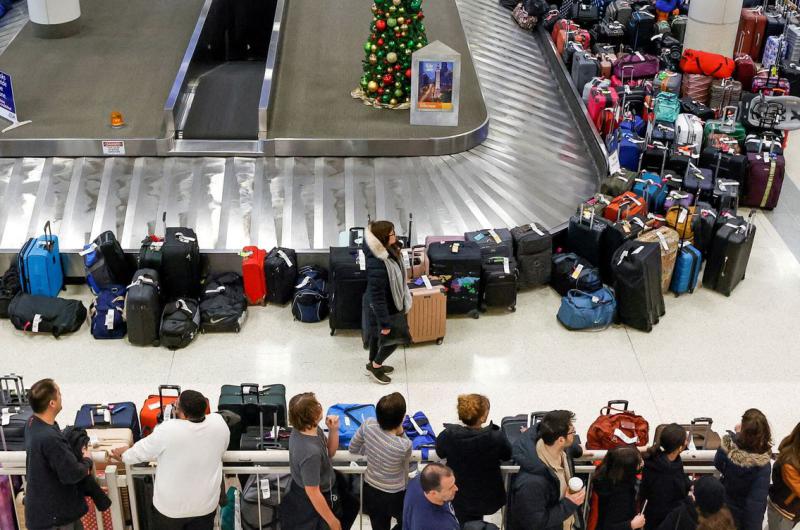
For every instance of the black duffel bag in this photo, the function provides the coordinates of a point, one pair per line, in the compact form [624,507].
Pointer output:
[223,307]
[571,271]
[180,322]
[9,287]
[43,314]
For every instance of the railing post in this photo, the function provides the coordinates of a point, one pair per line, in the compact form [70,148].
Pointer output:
[112,482]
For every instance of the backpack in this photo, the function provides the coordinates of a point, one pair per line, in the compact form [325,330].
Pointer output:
[310,301]
[223,306]
[622,428]
[419,431]
[180,322]
[107,313]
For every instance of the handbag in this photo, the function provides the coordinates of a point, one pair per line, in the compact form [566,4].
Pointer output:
[622,428]
[398,334]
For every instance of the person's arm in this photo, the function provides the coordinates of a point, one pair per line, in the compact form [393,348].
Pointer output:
[147,449]
[62,460]
[324,511]
[333,434]
[755,504]
[532,508]
[357,446]
[791,477]
[719,460]
[376,285]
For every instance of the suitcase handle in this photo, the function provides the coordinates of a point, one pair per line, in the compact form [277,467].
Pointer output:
[161,389]
[48,233]
[5,388]
[537,416]
[623,402]
[708,421]
[248,388]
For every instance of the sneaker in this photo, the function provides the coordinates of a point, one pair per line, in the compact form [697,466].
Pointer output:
[386,369]
[378,375]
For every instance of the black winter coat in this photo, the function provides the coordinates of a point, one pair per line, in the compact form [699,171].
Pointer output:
[664,487]
[616,504]
[77,440]
[534,499]
[378,299]
[684,517]
[746,479]
[475,457]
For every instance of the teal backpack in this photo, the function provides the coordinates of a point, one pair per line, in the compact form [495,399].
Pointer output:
[667,107]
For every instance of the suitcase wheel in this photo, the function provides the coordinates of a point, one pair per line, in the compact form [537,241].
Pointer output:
[439,341]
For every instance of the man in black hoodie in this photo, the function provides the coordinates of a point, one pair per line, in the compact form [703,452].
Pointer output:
[53,499]
[539,498]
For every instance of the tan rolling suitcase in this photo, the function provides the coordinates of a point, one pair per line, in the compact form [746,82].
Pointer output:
[668,241]
[103,441]
[416,261]
[703,437]
[427,319]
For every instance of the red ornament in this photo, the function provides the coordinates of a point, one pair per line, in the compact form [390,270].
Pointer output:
[380,25]
[380,91]
[420,16]
[380,42]
[408,73]
[397,68]
[388,79]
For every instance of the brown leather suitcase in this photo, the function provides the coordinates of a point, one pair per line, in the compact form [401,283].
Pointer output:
[607,61]
[427,319]
[752,31]
[700,430]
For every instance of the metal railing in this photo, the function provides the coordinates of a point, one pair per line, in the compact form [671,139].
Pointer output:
[120,481]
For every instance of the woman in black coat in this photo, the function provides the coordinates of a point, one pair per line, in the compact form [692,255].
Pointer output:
[706,511]
[744,462]
[664,483]
[387,295]
[475,453]
[615,488]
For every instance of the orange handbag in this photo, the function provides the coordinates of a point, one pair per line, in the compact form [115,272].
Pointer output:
[617,428]
[709,64]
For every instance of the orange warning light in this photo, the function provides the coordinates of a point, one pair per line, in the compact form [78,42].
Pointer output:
[117,120]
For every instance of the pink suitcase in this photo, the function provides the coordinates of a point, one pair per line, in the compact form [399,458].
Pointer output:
[416,261]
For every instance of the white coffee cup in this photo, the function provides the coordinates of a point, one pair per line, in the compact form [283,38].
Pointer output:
[575,484]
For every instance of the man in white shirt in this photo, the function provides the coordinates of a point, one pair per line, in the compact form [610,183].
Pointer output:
[189,452]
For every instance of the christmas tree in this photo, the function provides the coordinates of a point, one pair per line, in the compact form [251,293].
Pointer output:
[396,32]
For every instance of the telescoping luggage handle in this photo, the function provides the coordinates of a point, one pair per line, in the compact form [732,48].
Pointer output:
[6,392]
[610,407]
[161,389]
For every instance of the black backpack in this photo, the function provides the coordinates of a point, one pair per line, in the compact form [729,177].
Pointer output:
[180,322]
[223,306]
[9,287]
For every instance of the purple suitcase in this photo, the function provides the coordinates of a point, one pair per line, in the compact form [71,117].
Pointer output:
[763,186]
[7,514]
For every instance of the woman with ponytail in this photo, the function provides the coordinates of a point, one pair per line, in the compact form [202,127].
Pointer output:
[783,505]
[664,483]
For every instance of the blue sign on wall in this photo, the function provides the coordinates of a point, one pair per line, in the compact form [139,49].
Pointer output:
[7,108]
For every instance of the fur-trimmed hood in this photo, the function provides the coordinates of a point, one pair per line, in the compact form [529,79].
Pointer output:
[743,458]
[375,246]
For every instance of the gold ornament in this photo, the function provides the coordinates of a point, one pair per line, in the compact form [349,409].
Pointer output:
[401,21]
[374,48]
[391,57]
[374,8]
[372,86]
[419,45]
[373,59]
[392,9]
[403,27]
[393,101]
[397,2]
[408,51]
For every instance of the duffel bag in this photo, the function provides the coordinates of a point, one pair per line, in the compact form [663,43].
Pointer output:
[570,271]
[223,306]
[351,417]
[705,63]
[180,322]
[582,311]
[107,313]
[418,429]
[617,428]
[44,314]
[9,287]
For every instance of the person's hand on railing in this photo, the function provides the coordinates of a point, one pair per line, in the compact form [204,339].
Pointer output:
[116,455]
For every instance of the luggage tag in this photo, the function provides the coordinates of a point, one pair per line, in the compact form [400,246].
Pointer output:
[506,268]
[637,250]
[455,247]
[110,319]
[478,237]
[622,256]
[264,487]
[5,416]
[37,319]
[362,260]
[427,281]
[663,241]
[495,236]
[682,216]
[535,229]
[283,255]
[577,271]
[613,163]
[88,250]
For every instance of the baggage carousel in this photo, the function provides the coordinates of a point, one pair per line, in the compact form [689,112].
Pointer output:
[538,157]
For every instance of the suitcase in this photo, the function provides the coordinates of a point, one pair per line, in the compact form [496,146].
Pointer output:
[689,131]
[39,265]
[637,271]
[260,439]
[143,308]
[726,194]
[280,270]
[427,319]
[429,240]
[696,87]
[584,234]
[765,180]
[619,11]
[618,183]
[571,271]
[648,187]
[729,254]
[629,147]
[103,441]
[677,198]
[773,47]
[678,27]
[745,71]
[765,142]
[791,72]
[499,283]
[640,28]
[776,24]
[699,430]
[668,241]
[256,405]
[624,206]
[180,322]
[533,248]
[769,85]
[752,28]
[157,405]
[663,132]
[724,165]
[116,269]
[585,14]
[223,305]
[416,261]
[43,314]
[9,287]
[687,269]
[597,204]
[15,411]
[725,93]
[562,24]
[107,314]
[584,67]
[180,264]
[492,242]
[255,282]
[121,415]
[728,124]
[348,283]
[680,219]
[615,235]
[703,227]
[458,264]
[667,81]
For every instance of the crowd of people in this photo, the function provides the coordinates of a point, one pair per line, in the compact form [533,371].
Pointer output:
[631,489]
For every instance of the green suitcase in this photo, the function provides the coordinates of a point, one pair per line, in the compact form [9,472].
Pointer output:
[255,404]
[727,124]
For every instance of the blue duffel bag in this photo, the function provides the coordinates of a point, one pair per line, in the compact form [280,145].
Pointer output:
[418,429]
[582,311]
[107,314]
[351,416]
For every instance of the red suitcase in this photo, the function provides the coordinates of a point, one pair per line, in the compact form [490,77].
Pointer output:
[765,181]
[752,31]
[255,282]
[153,408]
[745,71]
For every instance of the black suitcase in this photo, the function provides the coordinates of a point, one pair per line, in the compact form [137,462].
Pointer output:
[585,14]
[584,236]
[114,258]
[9,287]
[180,322]
[726,195]
[492,242]
[725,165]
[729,254]
[258,439]
[640,29]
[535,269]
[703,227]
[256,405]
[16,413]
[280,268]
[143,308]
[614,237]
[223,306]
[180,265]
[571,271]
[701,110]
[43,314]
[531,239]
[348,283]
[458,264]
[499,283]
[637,269]
[791,72]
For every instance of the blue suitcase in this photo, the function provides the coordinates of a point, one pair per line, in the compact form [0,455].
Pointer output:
[687,270]
[39,262]
[647,187]
[351,416]
[110,416]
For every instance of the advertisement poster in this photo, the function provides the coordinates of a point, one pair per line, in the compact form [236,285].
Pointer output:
[435,86]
